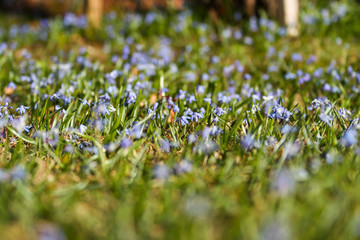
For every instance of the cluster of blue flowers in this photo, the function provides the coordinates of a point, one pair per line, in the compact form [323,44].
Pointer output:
[193,95]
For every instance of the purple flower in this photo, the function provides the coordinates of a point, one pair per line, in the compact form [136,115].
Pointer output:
[247,76]
[326,118]
[206,147]
[105,97]
[161,172]
[183,167]
[54,97]
[305,78]
[191,98]
[4,176]
[22,109]
[219,111]
[131,98]
[47,231]
[350,138]
[318,73]
[84,102]
[57,108]
[311,59]
[125,143]
[291,150]
[197,116]
[82,128]
[19,123]
[296,57]
[327,87]
[290,76]
[237,35]
[176,108]
[192,138]
[11,85]
[101,109]
[188,112]
[182,94]
[248,142]
[281,113]
[283,183]
[205,76]
[184,120]
[208,100]
[200,89]
[344,113]
[248,40]
[137,131]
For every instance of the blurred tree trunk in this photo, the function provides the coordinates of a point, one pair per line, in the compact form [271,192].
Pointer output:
[95,12]
[250,6]
[289,16]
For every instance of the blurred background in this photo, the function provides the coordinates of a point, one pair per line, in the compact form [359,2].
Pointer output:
[55,7]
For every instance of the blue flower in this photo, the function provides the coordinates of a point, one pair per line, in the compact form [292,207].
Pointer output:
[191,98]
[161,172]
[248,141]
[200,89]
[84,102]
[131,98]
[106,98]
[54,97]
[182,94]
[82,128]
[183,167]
[350,138]
[22,109]
[125,143]
[219,111]
[290,76]
[208,100]
[197,116]
[11,85]
[326,118]
[184,120]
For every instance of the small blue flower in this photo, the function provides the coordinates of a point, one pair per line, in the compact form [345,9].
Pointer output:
[131,98]
[219,111]
[22,109]
[248,141]
[106,98]
[327,87]
[208,100]
[290,76]
[183,167]
[197,116]
[200,89]
[125,143]
[82,128]
[161,172]
[11,85]
[176,108]
[84,102]
[191,98]
[182,94]
[326,118]
[184,120]
[350,138]
[54,97]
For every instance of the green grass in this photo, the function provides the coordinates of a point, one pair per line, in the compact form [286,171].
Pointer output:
[302,186]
